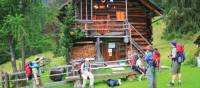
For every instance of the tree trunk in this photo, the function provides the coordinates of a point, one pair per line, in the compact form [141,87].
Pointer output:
[12,53]
[68,55]
[23,53]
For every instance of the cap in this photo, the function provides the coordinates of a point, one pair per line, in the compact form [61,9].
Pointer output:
[173,42]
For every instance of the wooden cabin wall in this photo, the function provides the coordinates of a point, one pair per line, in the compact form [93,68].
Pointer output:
[83,51]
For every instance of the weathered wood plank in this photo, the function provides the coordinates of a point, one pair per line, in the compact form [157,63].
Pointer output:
[96,76]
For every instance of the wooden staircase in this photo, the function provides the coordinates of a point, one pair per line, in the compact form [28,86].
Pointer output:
[137,40]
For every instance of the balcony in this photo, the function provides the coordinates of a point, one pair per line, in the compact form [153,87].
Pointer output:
[103,28]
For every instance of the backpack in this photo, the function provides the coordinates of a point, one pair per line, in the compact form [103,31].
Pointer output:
[79,67]
[28,70]
[155,58]
[180,55]
[113,83]
[179,48]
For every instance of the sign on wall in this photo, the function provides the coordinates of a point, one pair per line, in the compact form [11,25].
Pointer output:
[111,45]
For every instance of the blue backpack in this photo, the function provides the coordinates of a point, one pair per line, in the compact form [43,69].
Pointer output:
[180,57]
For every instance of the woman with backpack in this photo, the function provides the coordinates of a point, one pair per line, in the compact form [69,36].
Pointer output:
[177,56]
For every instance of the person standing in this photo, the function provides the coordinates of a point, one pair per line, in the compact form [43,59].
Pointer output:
[86,72]
[151,73]
[176,63]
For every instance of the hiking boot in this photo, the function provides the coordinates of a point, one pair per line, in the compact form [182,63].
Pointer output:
[171,84]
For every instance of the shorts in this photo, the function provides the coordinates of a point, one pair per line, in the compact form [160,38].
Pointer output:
[176,67]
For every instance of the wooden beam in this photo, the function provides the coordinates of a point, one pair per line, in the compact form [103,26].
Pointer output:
[126,10]
[91,9]
[150,7]
[106,36]
[81,10]
[96,76]
[98,53]
[85,42]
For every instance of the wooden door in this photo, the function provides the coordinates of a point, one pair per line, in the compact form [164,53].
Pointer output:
[115,55]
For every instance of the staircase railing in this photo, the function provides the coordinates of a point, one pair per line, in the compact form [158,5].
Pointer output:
[133,42]
[133,28]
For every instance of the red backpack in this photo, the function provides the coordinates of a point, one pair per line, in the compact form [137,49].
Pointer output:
[179,48]
[28,70]
[79,65]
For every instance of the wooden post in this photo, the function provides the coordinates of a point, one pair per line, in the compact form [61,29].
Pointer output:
[98,49]
[7,83]
[73,68]
[91,9]
[81,10]
[86,9]
[126,11]
[2,79]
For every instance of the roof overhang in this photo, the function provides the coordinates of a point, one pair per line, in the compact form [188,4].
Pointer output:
[152,7]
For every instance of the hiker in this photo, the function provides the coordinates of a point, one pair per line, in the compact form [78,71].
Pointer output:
[156,58]
[86,72]
[139,67]
[36,73]
[177,56]
[151,73]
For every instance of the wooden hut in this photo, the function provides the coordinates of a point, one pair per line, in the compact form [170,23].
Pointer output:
[113,28]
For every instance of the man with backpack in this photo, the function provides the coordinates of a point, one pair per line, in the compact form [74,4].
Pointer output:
[151,73]
[86,72]
[177,56]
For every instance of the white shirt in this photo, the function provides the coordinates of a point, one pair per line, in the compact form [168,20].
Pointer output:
[174,52]
[139,63]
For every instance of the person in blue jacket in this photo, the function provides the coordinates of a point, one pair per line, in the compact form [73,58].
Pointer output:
[151,75]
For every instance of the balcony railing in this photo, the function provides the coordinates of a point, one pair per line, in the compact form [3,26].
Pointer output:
[106,28]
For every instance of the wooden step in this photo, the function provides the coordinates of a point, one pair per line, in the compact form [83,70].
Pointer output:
[142,43]
[135,34]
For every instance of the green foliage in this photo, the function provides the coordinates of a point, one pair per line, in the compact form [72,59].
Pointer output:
[13,25]
[182,18]
[69,34]
[34,16]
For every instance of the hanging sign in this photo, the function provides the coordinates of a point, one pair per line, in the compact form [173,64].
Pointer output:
[111,45]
